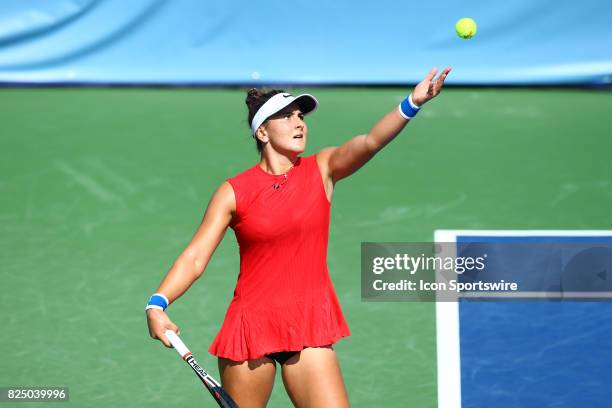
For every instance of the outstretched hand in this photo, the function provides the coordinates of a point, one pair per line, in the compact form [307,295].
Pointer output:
[429,88]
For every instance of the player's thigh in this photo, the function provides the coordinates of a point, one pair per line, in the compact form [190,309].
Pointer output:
[313,379]
[249,383]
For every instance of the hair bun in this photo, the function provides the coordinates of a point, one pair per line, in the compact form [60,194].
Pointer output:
[253,95]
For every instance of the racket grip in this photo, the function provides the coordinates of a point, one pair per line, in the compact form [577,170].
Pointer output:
[177,343]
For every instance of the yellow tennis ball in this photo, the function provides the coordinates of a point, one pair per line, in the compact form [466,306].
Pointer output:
[466,28]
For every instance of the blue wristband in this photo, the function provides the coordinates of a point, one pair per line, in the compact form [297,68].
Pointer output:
[408,109]
[157,301]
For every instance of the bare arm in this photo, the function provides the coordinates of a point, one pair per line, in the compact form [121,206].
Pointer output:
[340,162]
[190,265]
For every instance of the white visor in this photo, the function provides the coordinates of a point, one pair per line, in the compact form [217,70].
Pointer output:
[306,102]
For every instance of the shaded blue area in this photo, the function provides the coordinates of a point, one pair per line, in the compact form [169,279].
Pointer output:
[536,354]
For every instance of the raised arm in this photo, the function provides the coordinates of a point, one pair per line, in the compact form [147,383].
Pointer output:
[190,265]
[339,162]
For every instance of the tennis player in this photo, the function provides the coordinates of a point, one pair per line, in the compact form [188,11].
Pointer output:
[284,308]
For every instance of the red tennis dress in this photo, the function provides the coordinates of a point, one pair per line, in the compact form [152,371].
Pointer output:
[284,299]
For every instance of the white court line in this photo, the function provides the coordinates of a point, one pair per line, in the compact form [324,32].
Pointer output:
[452,234]
[447,337]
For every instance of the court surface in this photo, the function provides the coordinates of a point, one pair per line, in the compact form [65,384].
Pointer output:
[102,188]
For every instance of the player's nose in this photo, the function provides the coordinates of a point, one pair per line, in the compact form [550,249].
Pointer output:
[299,122]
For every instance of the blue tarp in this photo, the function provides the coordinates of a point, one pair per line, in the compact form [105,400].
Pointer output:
[306,42]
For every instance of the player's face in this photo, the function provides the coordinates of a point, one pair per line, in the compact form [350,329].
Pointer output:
[286,130]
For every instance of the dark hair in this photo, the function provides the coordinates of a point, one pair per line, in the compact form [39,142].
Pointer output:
[254,100]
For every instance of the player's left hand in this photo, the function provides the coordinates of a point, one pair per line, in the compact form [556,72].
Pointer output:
[429,87]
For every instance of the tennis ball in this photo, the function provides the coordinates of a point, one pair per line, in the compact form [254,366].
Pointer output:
[466,28]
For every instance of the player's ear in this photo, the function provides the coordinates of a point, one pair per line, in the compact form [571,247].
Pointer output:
[261,134]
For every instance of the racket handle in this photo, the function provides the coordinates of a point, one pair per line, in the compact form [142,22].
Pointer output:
[177,343]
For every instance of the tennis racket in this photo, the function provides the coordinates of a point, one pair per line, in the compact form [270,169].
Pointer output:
[215,389]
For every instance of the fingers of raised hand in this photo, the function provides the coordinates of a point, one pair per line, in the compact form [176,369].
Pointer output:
[431,89]
[432,74]
[441,79]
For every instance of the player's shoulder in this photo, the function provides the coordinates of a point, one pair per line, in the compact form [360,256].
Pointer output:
[322,158]
[225,193]
[325,153]
[242,184]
